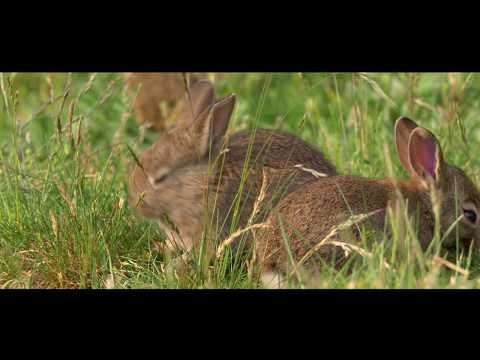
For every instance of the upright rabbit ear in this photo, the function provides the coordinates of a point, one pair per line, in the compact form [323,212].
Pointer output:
[403,129]
[211,125]
[202,95]
[425,155]
[199,97]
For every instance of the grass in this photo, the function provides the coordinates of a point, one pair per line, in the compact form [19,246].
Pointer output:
[65,143]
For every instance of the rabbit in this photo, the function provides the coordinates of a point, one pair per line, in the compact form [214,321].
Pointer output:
[159,97]
[310,213]
[192,173]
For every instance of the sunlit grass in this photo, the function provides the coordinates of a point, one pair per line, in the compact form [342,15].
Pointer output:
[65,153]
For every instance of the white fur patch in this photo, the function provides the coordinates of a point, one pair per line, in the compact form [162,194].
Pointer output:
[272,280]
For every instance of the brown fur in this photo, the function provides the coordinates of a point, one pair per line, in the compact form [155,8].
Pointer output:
[197,187]
[310,213]
[157,90]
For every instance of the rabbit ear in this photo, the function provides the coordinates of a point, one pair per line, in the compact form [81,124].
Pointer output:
[222,111]
[199,97]
[425,155]
[403,129]
[212,124]
[202,95]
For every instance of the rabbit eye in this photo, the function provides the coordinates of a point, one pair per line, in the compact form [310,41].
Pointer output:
[470,215]
[161,178]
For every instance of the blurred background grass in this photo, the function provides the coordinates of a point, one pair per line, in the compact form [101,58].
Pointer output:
[63,217]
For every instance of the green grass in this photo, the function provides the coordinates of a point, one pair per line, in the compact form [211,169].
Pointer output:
[64,163]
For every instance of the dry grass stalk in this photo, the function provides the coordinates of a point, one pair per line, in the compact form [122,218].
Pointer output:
[4,93]
[250,226]
[67,199]
[54,223]
[79,130]
[439,260]
[71,111]
[376,88]
[255,211]
[353,220]
[253,260]
[311,171]
[140,199]
[88,85]
[425,105]
[236,234]
[348,248]
[260,198]
[121,201]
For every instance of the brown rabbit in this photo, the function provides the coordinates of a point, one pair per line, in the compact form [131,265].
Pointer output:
[159,98]
[310,214]
[187,178]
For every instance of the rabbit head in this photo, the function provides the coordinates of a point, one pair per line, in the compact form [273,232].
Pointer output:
[421,155]
[169,180]
[159,97]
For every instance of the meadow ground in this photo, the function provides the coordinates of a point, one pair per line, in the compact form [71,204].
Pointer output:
[65,159]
